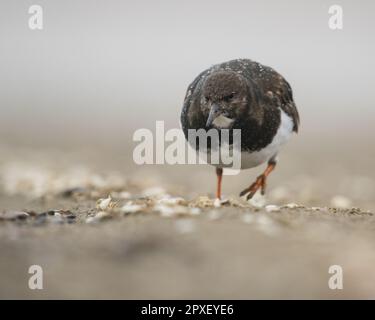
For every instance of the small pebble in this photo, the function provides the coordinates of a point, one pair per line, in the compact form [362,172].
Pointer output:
[102,215]
[132,208]
[172,201]
[316,208]
[14,215]
[203,201]
[272,208]
[104,204]
[292,205]
[341,202]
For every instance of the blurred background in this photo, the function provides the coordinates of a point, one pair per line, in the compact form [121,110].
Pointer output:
[72,94]
[101,69]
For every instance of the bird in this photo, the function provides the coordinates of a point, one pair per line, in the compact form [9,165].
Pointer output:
[247,95]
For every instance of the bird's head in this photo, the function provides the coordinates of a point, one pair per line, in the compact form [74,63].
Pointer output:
[224,99]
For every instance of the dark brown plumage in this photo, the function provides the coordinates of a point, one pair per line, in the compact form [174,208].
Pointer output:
[248,96]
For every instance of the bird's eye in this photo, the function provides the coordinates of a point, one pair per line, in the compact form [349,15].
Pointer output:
[228,97]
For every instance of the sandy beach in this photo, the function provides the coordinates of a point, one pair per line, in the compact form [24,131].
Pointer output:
[161,235]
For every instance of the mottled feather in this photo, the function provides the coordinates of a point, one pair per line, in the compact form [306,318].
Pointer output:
[270,89]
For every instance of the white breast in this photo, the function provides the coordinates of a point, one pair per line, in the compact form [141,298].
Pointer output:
[256,158]
[283,134]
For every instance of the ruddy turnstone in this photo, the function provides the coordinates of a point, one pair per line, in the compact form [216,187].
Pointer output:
[243,94]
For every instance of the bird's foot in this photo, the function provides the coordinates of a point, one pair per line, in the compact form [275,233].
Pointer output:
[260,183]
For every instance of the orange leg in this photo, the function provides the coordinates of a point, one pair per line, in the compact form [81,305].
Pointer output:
[260,182]
[219,174]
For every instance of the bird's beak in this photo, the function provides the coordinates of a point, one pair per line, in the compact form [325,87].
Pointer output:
[218,119]
[214,112]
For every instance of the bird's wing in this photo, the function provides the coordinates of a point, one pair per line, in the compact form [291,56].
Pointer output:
[288,105]
[282,91]
[272,84]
